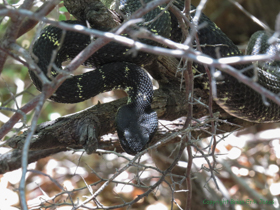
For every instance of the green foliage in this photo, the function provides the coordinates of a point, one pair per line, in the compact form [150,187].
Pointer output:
[62,17]
[63,9]
[13,1]
[108,3]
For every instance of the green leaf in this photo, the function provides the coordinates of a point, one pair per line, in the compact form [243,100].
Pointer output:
[63,9]
[62,17]
[12,1]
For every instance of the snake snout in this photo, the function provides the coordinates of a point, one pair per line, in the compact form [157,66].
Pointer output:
[133,142]
[134,129]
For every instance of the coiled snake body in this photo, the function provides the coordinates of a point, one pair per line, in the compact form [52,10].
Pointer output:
[116,68]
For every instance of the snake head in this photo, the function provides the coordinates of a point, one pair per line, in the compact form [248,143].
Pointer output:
[135,128]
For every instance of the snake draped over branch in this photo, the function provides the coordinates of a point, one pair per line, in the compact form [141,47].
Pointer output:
[116,68]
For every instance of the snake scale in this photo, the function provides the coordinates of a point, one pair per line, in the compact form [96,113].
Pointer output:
[116,68]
